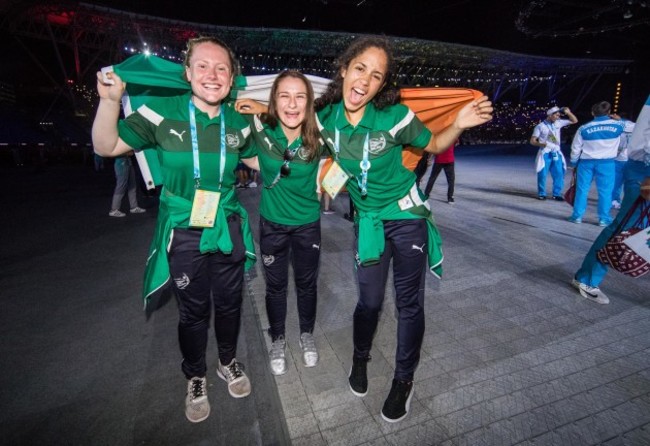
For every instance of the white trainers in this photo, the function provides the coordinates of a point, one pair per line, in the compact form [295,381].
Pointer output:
[197,406]
[592,293]
[116,213]
[137,210]
[238,384]
[277,357]
[616,204]
[309,352]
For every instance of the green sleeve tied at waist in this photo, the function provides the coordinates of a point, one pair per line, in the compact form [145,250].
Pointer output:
[175,212]
[371,241]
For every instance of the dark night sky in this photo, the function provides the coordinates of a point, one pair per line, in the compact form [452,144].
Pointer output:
[483,23]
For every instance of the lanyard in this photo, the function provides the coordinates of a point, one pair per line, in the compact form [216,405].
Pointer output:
[364,164]
[195,145]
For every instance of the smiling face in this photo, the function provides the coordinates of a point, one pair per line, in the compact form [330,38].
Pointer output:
[209,72]
[364,76]
[291,100]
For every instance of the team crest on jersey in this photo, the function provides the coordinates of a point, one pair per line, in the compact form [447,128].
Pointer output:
[232,140]
[302,153]
[376,145]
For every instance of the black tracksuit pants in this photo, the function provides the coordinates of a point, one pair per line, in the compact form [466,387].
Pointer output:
[406,244]
[202,282]
[300,246]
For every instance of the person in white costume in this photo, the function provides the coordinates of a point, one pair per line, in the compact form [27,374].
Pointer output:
[546,136]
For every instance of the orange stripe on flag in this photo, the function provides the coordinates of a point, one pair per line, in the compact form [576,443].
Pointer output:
[437,108]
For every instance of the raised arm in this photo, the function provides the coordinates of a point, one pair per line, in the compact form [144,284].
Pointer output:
[569,115]
[475,113]
[106,140]
[250,107]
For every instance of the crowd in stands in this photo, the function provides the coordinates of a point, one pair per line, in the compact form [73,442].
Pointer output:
[512,124]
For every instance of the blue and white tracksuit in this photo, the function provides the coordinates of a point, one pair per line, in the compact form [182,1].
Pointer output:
[621,159]
[592,272]
[550,157]
[594,148]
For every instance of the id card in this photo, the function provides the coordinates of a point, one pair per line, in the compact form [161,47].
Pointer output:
[334,180]
[204,208]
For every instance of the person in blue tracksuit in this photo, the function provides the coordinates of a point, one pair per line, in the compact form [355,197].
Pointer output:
[593,151]
[546,136]
[636,180]
[620,161]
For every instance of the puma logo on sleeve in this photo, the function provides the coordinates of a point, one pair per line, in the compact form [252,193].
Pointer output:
[174,132]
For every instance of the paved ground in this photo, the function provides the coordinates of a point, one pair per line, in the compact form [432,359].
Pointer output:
[512,355]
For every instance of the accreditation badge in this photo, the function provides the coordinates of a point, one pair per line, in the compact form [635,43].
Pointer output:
[204,208]
[334,180]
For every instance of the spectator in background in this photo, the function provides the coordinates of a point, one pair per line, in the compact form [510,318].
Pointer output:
[620,161]
[595,146]
[124,184]
[444,160]
[421,167]
[546,136]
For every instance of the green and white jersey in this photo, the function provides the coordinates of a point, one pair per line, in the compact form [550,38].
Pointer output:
[388,130]
[293,199]
[164,123]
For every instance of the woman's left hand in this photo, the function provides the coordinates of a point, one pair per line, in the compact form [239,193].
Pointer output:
[475,113]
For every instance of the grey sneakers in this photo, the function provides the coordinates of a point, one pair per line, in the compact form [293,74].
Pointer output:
[592,293]
[238,384]
[116,213]
[277,357]
[197,407]
[308,347]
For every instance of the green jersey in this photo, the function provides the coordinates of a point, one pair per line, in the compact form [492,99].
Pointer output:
[387,130]
[165,124]
[292,200]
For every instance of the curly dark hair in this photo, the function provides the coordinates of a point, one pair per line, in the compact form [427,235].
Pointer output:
[309,128]
[388,95]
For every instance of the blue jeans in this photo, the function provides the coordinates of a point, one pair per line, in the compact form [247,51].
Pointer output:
[592,272]
[557,173]
[603,172]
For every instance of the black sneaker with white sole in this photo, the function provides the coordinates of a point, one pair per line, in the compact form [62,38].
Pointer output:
[397,405]
[358,378]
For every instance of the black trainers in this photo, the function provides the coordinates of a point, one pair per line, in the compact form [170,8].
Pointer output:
[358,378]
[396,406]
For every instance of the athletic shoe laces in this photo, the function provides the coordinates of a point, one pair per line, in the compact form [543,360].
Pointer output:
[233,371]
[197,388]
